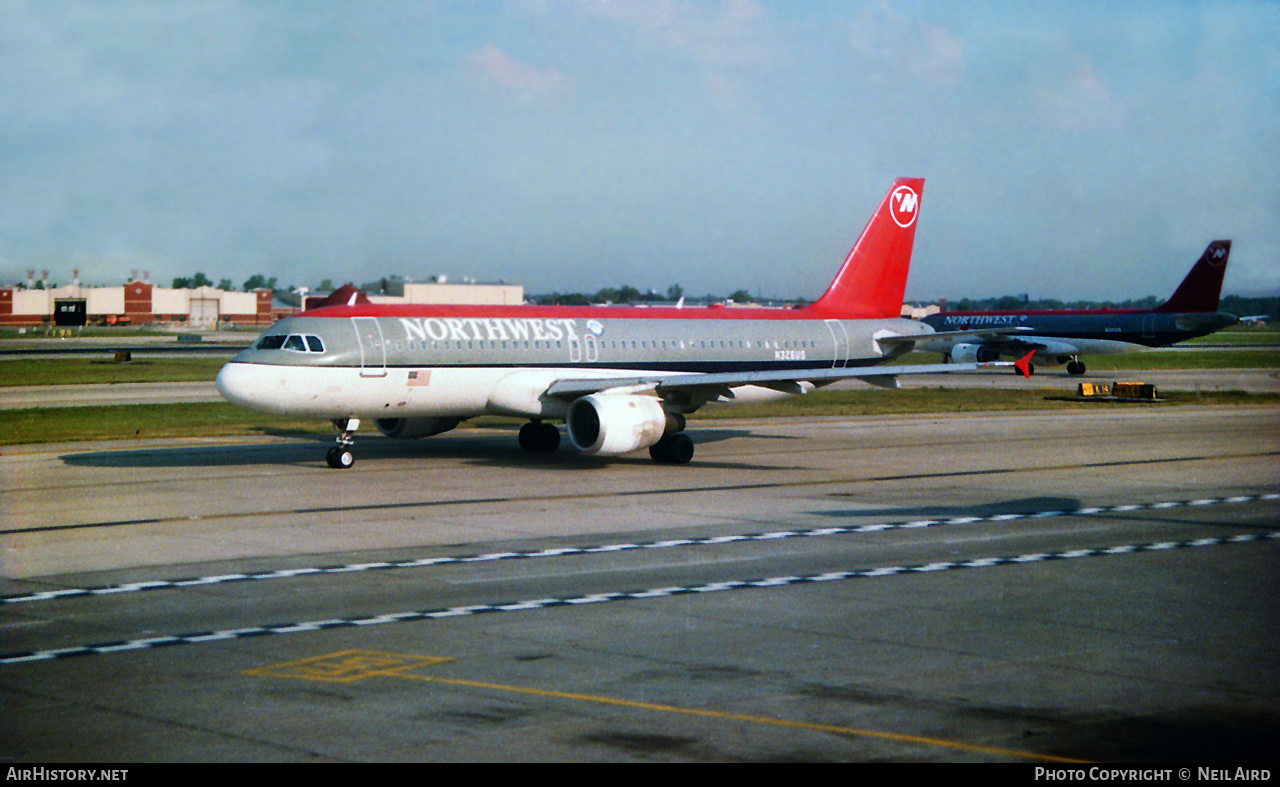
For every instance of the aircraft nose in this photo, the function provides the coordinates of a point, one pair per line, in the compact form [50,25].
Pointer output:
[234,383]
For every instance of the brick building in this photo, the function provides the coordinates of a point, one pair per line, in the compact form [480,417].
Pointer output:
[136,303]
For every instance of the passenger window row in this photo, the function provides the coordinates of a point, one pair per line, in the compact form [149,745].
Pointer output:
[493,344]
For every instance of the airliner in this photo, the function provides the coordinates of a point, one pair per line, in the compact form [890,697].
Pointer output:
[1062,335]
[621,378]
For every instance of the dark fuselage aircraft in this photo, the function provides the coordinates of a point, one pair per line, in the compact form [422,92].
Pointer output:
[622,378]
[1062,336]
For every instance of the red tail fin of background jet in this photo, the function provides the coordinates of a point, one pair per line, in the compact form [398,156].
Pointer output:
[1199,292]
[346,295]
[874,275]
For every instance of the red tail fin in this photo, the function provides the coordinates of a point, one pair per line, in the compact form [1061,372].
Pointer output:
[874,275]
[346,295]
[1199,292]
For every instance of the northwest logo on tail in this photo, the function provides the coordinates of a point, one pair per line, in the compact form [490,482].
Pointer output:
[903,205]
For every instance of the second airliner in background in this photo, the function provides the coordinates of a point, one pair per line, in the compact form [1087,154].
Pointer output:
[1061,336]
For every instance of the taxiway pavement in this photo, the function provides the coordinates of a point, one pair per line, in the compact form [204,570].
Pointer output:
[1038,588]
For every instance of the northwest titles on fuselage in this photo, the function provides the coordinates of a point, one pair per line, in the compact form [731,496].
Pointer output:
[500,329]
[994,320]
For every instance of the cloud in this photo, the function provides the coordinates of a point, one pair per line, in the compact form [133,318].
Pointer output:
[500,70]
[893,46]
[1080,101]
[722,41]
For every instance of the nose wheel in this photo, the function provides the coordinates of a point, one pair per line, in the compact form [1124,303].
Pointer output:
[340,457]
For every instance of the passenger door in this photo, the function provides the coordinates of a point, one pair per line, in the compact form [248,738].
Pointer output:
[840,338]
[373,349]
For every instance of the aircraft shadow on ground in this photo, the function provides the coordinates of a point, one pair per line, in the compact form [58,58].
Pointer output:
[494,450]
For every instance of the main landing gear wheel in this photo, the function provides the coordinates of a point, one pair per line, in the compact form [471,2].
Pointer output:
[340,457]
[1075,368]
[539,437]
[673,449]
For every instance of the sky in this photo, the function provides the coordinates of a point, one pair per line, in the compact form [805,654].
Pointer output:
[1082,150]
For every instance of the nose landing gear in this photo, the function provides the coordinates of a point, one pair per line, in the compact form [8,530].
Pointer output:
[340,457]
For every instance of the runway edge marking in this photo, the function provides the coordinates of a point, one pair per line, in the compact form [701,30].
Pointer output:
[613,596]
[817,532]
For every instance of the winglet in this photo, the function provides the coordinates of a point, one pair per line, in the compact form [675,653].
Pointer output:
[874,275]
[1023,364]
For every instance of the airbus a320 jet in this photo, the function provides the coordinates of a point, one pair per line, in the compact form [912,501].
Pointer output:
[1060,336]
[621,378]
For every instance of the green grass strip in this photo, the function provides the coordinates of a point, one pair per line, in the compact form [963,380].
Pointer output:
[129,422]
[87,371]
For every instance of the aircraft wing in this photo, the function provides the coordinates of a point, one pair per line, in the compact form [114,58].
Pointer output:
[785,380]
[970,333]
[1006,341]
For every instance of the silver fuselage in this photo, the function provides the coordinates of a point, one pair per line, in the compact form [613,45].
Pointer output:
[389,362]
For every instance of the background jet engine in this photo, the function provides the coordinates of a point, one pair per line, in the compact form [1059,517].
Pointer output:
[973,353]
[412,428]
[617,423]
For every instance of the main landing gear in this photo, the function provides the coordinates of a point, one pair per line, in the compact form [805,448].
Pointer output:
[340,457]
[672,449]
[1076,366]
[539,437]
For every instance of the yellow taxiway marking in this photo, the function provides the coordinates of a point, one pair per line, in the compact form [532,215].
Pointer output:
[352,665]
[346,666]
[651,706]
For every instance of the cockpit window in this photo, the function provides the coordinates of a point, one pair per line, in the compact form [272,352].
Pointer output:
[273,342]
[294,342]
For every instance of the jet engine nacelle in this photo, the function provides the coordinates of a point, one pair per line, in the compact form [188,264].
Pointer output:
[973,353]
[413,428]
[617,423]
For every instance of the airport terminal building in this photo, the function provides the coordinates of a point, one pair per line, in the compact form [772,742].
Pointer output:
[136,303]
[201,308]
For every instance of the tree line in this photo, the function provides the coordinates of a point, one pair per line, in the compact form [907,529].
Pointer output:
[255,282]
[628,294]
[1238,305]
